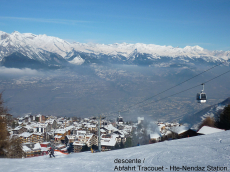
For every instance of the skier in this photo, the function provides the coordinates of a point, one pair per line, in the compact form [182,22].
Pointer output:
[51,152]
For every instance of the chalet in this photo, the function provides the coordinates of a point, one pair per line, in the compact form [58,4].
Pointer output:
[110,128]
[38,137]
[31,150]
[209,130]
[19,130]
[108,143]
[91,128]
[31,137]
[81,132]
[25,137]
[155,137]
[78,146]
[29,128]
[37,149]
[120,137]
[27,152]
[167,135]
[52,122]
[103,131]
[40,118]
[71,138]
[86,119]
[60,135]
[42,127]
[91,140]
[182,132]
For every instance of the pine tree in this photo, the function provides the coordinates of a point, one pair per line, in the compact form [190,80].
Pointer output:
[223,120]
[122,145]
[117,146]
[128,142]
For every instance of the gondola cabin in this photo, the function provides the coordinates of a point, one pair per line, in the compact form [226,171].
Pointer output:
[201,97]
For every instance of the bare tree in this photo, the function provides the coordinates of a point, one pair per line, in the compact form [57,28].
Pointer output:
[209,121]
[9,147]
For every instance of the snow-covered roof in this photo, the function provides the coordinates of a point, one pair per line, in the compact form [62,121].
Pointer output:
[25,134]
[102,130]
[77,143]
[17,128]
[81,132]
[168,132]
[38,115]
[26,149]
[70,127]
[39,134]
[41,125]
[57,137]
[179,129]
[110,127]
[60,131]
[108,142]
[155,135]
[28,127]
[37,146]
[209,130]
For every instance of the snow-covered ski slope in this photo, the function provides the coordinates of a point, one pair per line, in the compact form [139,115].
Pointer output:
[202,153]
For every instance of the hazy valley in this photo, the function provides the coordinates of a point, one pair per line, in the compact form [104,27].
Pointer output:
[47,75]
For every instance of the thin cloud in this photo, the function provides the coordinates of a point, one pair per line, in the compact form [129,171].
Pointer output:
[16,71]
[57,21]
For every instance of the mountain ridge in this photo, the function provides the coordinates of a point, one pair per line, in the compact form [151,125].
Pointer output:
[40,47]
[212,111]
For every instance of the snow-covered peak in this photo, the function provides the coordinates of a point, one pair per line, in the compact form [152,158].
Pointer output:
[34,44]
[194,48]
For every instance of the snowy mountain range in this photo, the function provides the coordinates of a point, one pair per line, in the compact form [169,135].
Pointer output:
[53,51]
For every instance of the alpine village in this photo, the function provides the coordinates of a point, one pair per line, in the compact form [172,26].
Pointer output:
[34,135]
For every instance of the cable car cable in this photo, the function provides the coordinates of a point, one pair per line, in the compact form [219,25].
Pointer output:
[127,109]
[175,85]
[187,89]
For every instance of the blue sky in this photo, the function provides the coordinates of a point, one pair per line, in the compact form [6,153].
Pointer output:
[163,22]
